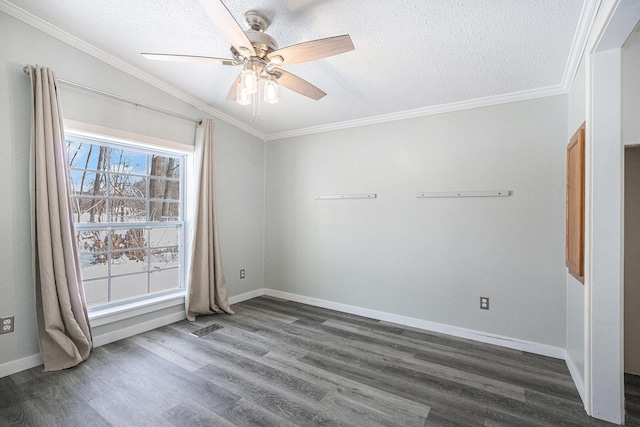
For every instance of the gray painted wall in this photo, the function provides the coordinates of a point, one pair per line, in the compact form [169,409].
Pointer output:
[429,259]
[239,173]
[575,289]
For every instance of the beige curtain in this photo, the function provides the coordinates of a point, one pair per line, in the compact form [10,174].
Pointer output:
[206,282]
[63,324]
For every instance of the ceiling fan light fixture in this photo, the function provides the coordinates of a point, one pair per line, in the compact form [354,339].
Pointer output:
[271,91]
[242,97]
[259,55]
[249,79]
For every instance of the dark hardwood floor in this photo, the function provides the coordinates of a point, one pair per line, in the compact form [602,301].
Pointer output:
[280,363]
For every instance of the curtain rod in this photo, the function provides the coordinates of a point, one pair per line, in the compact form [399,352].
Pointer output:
[121,98]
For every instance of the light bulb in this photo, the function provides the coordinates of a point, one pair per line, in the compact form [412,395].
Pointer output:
[249,79]
[242,97]
[271,91]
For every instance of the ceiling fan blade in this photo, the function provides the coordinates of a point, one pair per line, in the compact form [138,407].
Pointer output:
[233,92]
[224,20]
[189,58]
[296,84]
[310,51]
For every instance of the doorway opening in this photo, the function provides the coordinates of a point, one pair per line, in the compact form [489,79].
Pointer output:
[632,280]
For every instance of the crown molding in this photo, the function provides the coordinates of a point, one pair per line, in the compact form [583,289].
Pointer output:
[103,56]
[426,111]
[583,29]
[585,23]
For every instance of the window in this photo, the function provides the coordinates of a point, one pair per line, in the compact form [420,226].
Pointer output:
[128,217]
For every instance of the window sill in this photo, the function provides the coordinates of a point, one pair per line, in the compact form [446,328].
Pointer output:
[126,311]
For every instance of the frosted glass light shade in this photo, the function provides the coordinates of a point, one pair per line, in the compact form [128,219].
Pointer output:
[242,97]
[271,91]
[249,79]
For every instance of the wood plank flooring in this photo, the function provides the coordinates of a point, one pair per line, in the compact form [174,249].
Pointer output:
[280,363]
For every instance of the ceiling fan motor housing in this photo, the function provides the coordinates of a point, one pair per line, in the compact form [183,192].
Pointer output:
[262,43]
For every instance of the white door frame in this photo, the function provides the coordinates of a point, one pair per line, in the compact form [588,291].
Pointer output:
[604,308]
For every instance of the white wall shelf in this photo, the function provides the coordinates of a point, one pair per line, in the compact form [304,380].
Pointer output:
[439,194]
[347,196]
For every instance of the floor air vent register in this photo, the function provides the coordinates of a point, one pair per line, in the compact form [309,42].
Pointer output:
[206,330]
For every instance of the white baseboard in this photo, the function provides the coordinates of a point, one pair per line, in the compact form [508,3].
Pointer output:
[139,328]
[541,349]
[516,344]
[576,376]
[246,296]
[20,365]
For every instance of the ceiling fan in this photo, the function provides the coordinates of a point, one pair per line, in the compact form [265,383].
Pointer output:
[259,55]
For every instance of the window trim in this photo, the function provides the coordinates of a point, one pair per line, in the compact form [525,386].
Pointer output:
[119,311]
[104,316]
[129,138]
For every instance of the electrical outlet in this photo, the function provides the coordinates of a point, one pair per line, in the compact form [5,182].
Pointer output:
[242,274]
[6,325]
[484,303]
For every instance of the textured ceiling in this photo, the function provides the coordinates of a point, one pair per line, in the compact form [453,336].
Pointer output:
[409,55]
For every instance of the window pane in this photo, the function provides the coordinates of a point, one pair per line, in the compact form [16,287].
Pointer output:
[128,186]
[165,206]
[164,189]
[131,255]
[92,240]
[88,183]
[96,292]
[128,210]
[89,209]
[164,258]
[128,262]
[130,162]
[164,211]
[83,155]
[92,246]
[127,287]
[94,265]
[164,280]
[168,167]
[164,236]
[175,172]
[132,241]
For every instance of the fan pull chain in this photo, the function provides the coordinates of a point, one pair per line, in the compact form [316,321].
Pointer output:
[256,103]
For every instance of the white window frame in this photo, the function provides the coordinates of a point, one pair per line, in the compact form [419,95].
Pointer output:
[105,315]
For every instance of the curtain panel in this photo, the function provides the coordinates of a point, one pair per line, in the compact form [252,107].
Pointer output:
[207,286]
[63,323]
